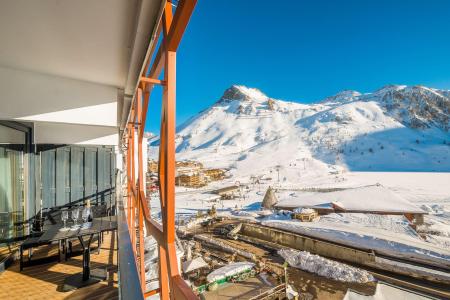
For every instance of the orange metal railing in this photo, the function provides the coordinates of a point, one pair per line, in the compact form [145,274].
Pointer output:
[172,286]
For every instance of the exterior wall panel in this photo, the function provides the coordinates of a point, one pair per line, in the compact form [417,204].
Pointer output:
[48,177]
[90,174]
[76,174]
[62,176]
[73,174]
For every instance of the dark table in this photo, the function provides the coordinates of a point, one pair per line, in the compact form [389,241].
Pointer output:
[87,277]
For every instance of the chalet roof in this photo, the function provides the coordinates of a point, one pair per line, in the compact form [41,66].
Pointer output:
[226,189]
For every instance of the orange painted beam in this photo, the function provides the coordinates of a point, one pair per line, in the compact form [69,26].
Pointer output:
[172,286]
[181,289]
[152,292]
[158,64]
[167,19]
[152,81]
[179,23]
[129,190]
[162,165]
[174,34]
[152,50]
[141,195]
[145,209]
[156,230]
[145,110]
[164,275]
[169,155]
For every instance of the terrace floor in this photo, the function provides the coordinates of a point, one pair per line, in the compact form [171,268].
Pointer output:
[45,281]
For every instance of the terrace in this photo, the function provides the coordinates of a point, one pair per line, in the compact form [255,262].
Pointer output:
[47,280]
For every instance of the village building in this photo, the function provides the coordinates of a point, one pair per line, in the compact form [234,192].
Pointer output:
[193,171]
[152,183]
[228,192]
[189,164]
[188,173]
[214,174]
[305,214]
[182,167]
[153,166]
[194,180]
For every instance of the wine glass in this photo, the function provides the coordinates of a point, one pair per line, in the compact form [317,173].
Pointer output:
[85,215]
[75,213]
[64,218]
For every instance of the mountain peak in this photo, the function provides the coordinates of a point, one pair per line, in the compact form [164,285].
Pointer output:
[242,93]
[343,96]
[390,88]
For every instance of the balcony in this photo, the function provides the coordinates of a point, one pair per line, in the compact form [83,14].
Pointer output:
[75,92]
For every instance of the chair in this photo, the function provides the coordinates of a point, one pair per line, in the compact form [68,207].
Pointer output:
[30,243]
[33,240]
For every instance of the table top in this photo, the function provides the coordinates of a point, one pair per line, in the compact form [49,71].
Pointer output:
[98,225]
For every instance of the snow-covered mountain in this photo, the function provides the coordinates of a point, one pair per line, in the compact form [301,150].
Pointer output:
[396,128]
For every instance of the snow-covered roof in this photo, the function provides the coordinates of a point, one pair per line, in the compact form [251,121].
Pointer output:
[226,189]
[362,199]
[302,210]
[194,264]
[229,270]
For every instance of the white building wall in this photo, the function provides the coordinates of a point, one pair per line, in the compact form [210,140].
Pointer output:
[11,136]
[59,133]
[64,111]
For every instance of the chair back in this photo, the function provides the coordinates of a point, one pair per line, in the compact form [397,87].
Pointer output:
[99,210]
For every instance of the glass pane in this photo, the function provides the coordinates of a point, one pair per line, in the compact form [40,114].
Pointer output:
[12,144]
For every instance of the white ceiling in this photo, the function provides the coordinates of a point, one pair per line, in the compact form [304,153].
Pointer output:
[90,40]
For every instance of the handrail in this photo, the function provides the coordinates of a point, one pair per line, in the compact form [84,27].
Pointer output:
[129,283]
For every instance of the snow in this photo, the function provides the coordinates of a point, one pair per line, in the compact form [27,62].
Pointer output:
[365,143]
[229,270]
[197,221]
[193,264]
[151,258]
[350,130]
[385,291]
[243,213]
[264,212]
[300,210]
[290,293]
[381,241]
[413,268]
[373,222]
[324,267]
[437,225]
[368,199]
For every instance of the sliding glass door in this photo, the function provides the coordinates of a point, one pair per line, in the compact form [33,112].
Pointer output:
[12,148]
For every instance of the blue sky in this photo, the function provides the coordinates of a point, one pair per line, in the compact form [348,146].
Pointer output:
[306,50]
